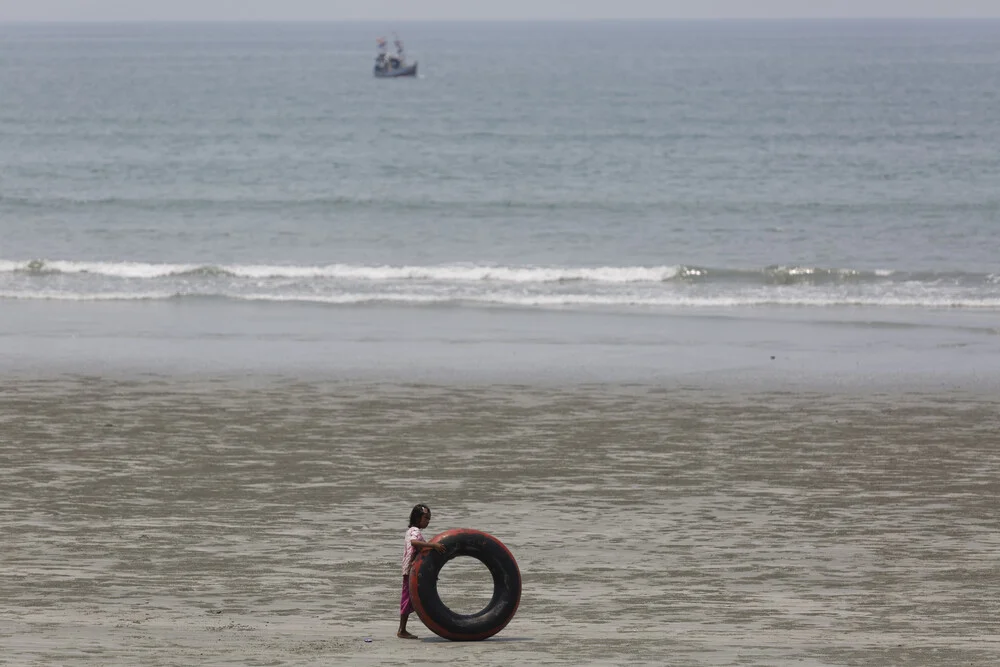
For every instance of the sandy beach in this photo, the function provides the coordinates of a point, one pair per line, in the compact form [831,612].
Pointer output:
[162,520]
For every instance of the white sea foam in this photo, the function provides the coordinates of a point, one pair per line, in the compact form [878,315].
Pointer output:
[626,300]
[446,273]
[473,273]
[112,269]
[644,299]
[529,286]
[459,273]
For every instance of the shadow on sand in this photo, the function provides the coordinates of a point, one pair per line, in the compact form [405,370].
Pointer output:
[491,640]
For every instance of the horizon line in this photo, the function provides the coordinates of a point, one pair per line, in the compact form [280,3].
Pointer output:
[705,19]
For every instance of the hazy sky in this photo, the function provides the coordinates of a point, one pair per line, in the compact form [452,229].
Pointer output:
[400,10]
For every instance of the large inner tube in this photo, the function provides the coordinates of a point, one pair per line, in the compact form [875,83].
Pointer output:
[441,620]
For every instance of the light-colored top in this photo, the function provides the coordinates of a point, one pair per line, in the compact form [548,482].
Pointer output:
[412,533]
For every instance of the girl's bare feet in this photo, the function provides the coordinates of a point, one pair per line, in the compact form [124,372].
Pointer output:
[403,634]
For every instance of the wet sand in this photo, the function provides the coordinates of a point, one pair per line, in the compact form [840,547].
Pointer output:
[163,520]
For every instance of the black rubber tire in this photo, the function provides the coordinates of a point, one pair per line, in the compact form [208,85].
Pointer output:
[441,620]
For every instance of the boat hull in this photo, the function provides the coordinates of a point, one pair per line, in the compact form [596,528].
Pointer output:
[409,70]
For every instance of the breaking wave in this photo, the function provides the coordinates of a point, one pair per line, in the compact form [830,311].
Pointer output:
[672,286]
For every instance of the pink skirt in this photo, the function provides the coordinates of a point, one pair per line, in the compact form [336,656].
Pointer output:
[405,606]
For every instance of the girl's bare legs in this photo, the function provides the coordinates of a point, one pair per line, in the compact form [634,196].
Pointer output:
[403,634]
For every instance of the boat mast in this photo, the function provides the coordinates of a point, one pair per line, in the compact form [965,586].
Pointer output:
[399,48]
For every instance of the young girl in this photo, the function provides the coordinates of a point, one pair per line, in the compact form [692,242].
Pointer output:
[420,516]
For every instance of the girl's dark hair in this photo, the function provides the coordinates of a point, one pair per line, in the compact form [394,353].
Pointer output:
[417,512]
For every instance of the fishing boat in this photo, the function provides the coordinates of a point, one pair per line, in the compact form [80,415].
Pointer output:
[392,65]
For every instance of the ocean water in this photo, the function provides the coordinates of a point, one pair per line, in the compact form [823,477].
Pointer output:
[823,173]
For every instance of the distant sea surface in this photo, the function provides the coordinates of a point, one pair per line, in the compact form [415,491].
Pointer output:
[816,173]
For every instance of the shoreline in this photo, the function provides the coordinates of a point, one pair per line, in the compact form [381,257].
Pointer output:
[774,350]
